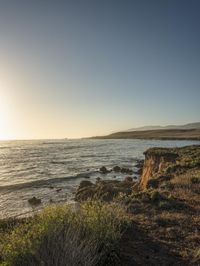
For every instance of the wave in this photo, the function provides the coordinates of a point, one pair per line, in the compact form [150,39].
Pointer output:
[45,182]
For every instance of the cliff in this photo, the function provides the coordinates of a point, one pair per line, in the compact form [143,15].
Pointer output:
[168,162]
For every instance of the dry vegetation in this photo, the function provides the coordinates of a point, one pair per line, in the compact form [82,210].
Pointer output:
[62,236]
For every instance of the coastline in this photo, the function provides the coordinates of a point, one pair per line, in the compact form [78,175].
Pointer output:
[164,134]
[154,212]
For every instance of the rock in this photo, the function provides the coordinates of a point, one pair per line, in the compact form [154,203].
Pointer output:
[158,161]
[116,169]
[85,183]
[51,187]
[104,170]
[34,201]
[152,183]
[58,190]
[98,179]
[85,193]
[126,171]
[128,179]
[104,190]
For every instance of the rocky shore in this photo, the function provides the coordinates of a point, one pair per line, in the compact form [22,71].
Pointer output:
[153,220]
[164,205]
[107,190]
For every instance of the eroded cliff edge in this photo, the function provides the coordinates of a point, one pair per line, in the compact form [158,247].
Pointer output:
[164,206]
[169,162]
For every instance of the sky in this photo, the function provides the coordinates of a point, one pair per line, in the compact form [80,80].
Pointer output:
[91,67]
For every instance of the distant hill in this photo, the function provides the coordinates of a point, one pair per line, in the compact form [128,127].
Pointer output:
[186,126]
[162,134]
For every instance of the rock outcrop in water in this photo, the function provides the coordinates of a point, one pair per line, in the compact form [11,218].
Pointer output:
[34,201]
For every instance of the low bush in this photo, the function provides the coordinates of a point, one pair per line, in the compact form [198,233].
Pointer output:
[60,236]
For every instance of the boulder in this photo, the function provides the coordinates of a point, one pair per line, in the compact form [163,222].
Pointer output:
[126,171]
[85,183]
[34,201]
[116,169]
[152,183]
[104,170]
[85,193]
[128,179]
[104,190]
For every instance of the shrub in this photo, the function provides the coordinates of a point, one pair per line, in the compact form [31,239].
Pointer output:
[61,236]
[155,196]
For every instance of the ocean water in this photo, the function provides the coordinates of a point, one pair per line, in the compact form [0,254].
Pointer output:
[52,169]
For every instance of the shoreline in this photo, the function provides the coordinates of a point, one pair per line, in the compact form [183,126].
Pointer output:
[59,189]
[164,134]
[157,210]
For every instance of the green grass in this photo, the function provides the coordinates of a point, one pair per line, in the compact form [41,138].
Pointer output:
[61,236]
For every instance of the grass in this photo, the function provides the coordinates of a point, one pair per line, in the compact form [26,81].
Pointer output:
[61,236]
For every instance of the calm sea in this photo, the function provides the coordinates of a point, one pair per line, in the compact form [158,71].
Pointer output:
[52,169]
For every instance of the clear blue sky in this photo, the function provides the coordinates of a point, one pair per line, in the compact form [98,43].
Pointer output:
[81,68]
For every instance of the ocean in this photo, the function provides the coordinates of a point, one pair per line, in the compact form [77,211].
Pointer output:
[52,169]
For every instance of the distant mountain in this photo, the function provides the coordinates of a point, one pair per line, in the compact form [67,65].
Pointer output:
[162,134]
[186,126]
[189,131]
